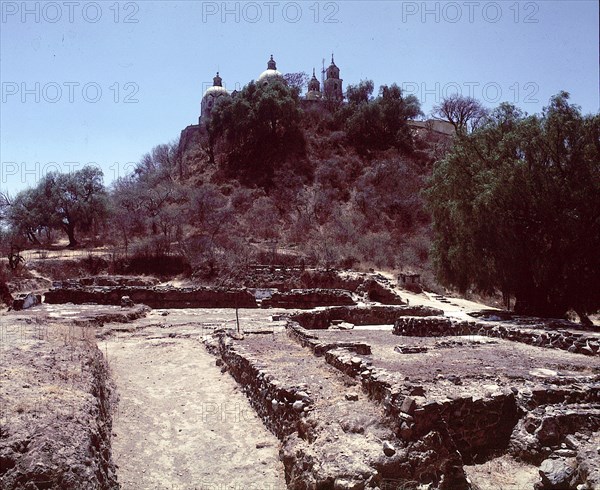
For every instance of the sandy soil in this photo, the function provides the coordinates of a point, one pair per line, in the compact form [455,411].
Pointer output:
[180,423]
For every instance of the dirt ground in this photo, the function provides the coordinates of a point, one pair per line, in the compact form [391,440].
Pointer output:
[483,364]
[181,423]
[53,421]
[503,473]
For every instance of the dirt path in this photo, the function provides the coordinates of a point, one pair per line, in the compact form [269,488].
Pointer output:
[181,424]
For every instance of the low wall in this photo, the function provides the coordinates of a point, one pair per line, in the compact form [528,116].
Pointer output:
[380,293]
[360,315]
[155,297]
[439,326]
[544,429]
[279,406]
[309,298]
[306,339]
[61,442]
[476,428]
[285,411]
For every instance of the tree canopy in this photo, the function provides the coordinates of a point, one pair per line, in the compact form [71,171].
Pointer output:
[464,113]
[70,202]
[261,130]
[380,123]
[516,207]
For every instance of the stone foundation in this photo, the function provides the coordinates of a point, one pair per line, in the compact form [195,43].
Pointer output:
[279,406]
[155,297]
[309,298]
[477,427]
[360,315]
[439,326]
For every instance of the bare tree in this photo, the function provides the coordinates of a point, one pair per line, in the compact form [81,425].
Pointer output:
[297,80]
[5,202]
[465,113]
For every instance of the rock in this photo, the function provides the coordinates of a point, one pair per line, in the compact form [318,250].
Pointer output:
[298,406]
[353,397]
[356,361]
[416,390]
[565,453]
[454,379]
[408,405]
[587,349]
[406,349]
[571,442]
[126,302]
[388,449]
[557,473]
[25,301]
[406,430]
[344,484]
[302,395]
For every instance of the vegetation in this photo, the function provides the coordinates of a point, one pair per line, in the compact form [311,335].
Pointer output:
[511,202]
[516,207]
[464,113]
[261,132]
[379,124]
[71,202]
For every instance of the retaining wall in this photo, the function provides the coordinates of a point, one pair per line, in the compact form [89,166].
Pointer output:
[360,315]
[155,297]
[309,298]
[275,402]
[477,427]
[439,326]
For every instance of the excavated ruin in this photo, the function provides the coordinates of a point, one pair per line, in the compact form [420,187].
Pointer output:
[452,394]
[372,395]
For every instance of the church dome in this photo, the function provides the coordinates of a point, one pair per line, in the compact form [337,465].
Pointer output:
[215,91]
[217,88]
[270,73]
[210,98]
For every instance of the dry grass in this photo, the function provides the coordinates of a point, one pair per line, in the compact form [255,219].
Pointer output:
[502,473]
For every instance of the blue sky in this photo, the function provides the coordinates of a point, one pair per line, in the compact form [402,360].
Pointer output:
[104,82]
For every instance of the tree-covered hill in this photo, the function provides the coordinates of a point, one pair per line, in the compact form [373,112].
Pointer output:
[509,202]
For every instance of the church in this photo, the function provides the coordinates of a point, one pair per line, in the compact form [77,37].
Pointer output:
[332,87]
[332,91]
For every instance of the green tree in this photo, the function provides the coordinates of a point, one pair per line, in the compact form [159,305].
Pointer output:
[25,216]
[361,93]
[261,129]
[381,123]
[516,207]
[73,201]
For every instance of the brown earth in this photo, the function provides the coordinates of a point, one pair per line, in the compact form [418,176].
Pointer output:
[180,422]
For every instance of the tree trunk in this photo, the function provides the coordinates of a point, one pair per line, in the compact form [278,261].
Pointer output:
[583,318]
[70,230]
[33,238]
